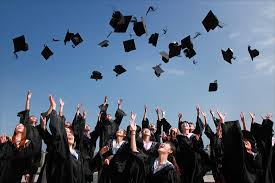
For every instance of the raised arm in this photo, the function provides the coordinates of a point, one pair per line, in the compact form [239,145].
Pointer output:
[28,99]
[133,129]
[61,106]
[119,114]
[207,130]
[252,116]
[179,120]
[145,121]
[199,124]
[243,120]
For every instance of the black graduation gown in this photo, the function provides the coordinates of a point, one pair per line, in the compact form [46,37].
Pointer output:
[166,175]
[216,153]
[107,129]
[115,171]
[34,136]
[14,162]
[263,135]
[84,144]
[145,124]
[273,163]
[62,166]
[233,161]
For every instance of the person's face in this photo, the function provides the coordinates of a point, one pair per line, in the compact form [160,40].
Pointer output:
[191,127]
[247,145]
[165,148]
[109,117]
[120,133]
[19,128]
[70,136]
[33,120]
[152,127]
[185,126]
[174,132]
[87,128]
[146,132]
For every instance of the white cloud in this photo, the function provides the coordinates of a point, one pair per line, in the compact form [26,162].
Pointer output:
[269,12]
[265,65]
[267,42]
[176,72]
[234,35]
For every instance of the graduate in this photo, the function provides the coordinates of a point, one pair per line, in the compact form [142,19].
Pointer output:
[65,163]
[106,127]
[216,147]
[15,153]
[162,170]
[32,134]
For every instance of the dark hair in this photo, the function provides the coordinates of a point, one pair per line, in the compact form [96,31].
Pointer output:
[172,158]
[23,139]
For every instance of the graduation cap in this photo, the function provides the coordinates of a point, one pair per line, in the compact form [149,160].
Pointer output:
[189,52]
[213,86]
[68,37]
[210,22]
[129,45]
[164,56]
[119,69]
[20,44]
[76,39]
[119,22]
[228,55]
[247,135]
[186,42]
[253,53]
[103,108]
[158,70]
[139,27]
[104,43]
[154,39]
[96,75]
[166,125]
[187,46]
[46,52]
[174,49]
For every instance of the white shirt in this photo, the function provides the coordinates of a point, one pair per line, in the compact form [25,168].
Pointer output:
[157,167]
[147,145]
[116,146]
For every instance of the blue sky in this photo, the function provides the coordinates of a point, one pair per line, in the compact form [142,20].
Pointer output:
[243,86]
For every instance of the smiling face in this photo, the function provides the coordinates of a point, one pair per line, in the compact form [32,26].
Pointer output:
[185,127]
[109,117]
[70,135]
[165,148]
[32,120]
[120,133]
[19,128]
[146,132]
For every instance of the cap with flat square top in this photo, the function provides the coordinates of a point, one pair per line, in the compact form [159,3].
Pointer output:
[68,37]
[129,45]
[76,39]
[119,69]
[46,52]
[174,49]
[210,22]
[158,70]
[20,44]
[96,75]
[119,22]
[164,56]
[228,55]
[213,86]
[140,27]
[253,52]
[154,39]
[104,43]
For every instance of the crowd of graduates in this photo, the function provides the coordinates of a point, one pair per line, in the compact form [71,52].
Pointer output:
[146,153]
